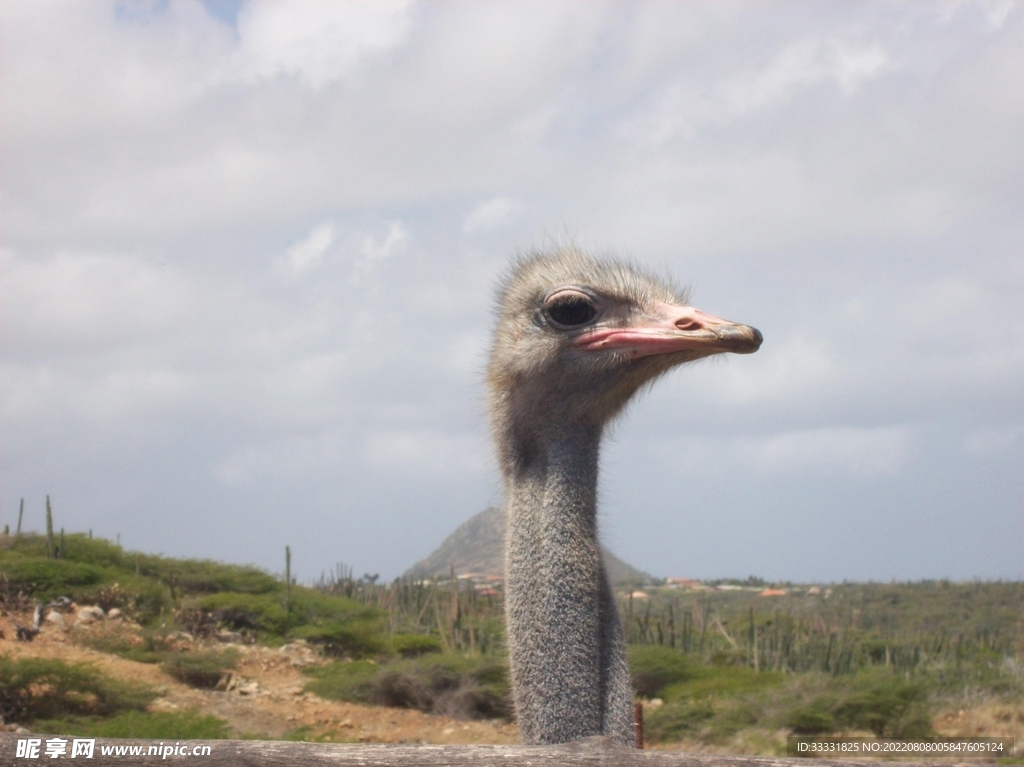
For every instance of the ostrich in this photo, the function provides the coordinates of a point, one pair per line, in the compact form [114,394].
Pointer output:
[576,338]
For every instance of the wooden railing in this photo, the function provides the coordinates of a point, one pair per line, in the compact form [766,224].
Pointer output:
[591,752]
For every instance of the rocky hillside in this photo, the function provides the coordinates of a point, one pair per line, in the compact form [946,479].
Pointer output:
[477,546]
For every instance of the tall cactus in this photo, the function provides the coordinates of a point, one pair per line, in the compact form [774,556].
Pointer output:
[50,544]
[287,579]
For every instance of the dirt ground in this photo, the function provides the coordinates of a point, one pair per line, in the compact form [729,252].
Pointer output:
[265,696]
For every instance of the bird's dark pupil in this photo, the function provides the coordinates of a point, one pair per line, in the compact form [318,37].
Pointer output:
[572,311]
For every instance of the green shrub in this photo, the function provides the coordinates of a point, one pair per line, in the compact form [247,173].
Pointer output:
[30,571]
[358,638]
[676,720]
[730,718]
[200,669]
[161,725]
[187,576]
[464,687]
[341,625]
[412,645]
[201,576]
[814,718]
[888,706]
[138,597]
[309,604]
[723,681]
[875,700]
[45,688]
[246,612]
[350,681]
[47,578]
[653,667]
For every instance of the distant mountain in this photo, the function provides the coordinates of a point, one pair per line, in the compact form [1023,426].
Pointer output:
[477,546]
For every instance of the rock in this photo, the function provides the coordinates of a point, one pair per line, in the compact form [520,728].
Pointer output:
[226,683]
[63,604]
[90,614]
[228,636]
[55,618]
[114,614]
[180,641]
[300,653]
[249,688]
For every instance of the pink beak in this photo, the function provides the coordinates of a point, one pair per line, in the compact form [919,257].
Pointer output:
[683,328]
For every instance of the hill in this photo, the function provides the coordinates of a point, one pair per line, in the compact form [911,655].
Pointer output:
[477,546]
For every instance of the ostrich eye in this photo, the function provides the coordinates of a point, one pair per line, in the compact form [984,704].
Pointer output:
[570,310]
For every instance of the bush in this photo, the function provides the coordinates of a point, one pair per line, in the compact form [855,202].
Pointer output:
[814,718]
[201,576]
[138,597]
[162,725]
[47,578]
[653,667]
[30,571]
[352,681]
[730,718]
[676,720]
[723,681]
[462,687]
[200,669]
[886,705]
[246,612]
[44,688]
[341,625]
[187,576]
[412,645]
[358,638]
[874,700]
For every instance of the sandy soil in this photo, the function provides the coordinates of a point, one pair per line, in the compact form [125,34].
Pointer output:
[265,696]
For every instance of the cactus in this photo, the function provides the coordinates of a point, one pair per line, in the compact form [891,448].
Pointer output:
[50,543]
[287,579]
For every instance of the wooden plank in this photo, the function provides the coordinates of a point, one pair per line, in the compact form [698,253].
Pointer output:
[591,752]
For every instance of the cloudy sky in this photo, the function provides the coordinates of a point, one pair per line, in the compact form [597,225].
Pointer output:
[248,254]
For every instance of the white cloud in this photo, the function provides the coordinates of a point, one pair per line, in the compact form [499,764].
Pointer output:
[372,251]
[86,302]
[493,214]
[394,242]
[307,254]
[398,453]
[318,41]
[847,64]
[687,104]
[847,178]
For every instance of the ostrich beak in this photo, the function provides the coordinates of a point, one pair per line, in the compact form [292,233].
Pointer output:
[674,329]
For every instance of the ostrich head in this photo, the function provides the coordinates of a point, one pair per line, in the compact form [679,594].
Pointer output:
[576,338]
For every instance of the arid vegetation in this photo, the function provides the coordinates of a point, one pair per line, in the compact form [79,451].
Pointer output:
[733,669]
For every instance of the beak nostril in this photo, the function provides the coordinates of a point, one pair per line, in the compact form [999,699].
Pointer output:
[688,324]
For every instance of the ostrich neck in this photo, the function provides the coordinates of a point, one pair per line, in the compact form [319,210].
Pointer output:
[565,640]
